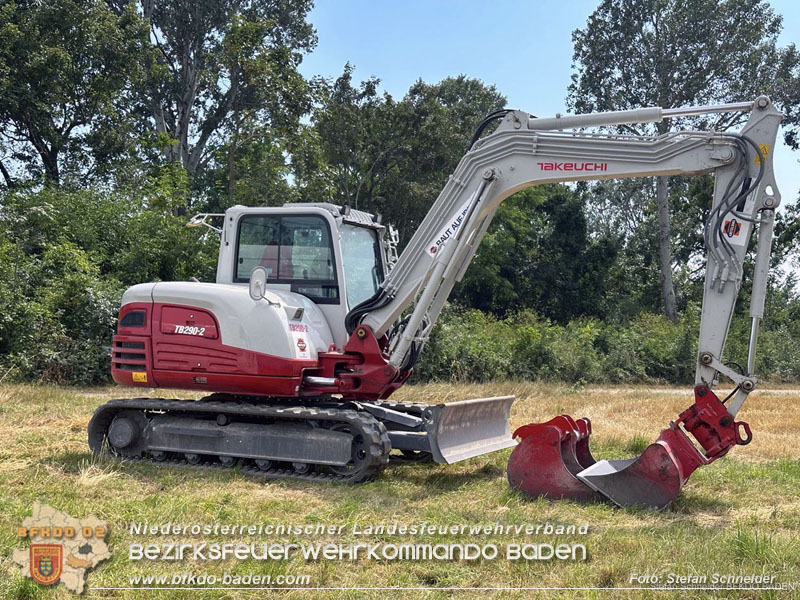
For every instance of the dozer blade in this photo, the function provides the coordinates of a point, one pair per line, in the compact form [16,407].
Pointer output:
[546,461]
[460,430]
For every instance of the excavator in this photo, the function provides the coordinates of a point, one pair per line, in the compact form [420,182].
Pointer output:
[314,321]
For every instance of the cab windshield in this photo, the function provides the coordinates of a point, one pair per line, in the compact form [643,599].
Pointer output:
[294,249]
[361,258]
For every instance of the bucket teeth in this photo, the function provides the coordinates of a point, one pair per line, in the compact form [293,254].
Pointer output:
[546,461]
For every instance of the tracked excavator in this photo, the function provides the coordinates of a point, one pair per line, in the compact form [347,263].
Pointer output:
[314,321]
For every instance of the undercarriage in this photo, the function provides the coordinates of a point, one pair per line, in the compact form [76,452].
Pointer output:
[279,438]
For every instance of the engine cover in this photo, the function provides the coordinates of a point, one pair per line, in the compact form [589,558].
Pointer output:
[215,336]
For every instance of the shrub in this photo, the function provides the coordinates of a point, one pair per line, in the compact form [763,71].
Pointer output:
[467,345]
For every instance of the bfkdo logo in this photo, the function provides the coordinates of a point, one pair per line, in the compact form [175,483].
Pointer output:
[62,548]
[46,562]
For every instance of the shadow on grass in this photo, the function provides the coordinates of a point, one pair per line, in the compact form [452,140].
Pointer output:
[441,478]
[684,505]
[692,503]
[75,463]
[70,462]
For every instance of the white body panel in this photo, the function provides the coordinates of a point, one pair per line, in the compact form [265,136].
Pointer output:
[243,322]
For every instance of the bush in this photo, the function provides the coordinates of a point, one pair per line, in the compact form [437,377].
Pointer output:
[467,345]
[65,259]
[66,256]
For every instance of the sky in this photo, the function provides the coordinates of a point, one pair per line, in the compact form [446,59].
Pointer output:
[524,48]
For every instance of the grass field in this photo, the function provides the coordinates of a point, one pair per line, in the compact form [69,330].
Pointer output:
[739,516]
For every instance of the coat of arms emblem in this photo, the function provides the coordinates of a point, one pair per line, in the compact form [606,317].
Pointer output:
[46,562]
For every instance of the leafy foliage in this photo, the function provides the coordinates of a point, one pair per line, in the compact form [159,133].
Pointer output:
[67,71]
[67,257]
[672,53]
[471,346]
[539,254]
[377,154]
[219,61]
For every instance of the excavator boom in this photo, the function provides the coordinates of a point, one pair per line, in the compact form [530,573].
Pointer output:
[526,151]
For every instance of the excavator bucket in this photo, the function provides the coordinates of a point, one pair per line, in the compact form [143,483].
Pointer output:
[553,458]
[460,430]
[654,479]
[582,451]
[549,457]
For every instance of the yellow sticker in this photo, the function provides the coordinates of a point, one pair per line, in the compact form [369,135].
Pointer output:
[764,150]
[140,377]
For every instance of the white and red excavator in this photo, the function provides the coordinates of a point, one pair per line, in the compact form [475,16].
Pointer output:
[314,321]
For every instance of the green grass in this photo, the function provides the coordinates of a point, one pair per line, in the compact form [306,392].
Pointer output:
[738,516]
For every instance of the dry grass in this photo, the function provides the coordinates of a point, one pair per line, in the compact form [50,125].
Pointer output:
[740,515]
[622,412]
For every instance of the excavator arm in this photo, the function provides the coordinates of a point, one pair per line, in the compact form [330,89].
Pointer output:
[525,151]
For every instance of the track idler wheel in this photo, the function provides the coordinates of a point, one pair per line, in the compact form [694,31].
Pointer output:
[125,433]
[549,457]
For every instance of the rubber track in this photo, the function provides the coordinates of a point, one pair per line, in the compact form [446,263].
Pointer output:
[373,431]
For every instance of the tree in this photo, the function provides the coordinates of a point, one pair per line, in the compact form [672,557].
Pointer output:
[217,61]
[67,71]
[350,143]
[671,53]
[251,168]
[539,254]
[374,153]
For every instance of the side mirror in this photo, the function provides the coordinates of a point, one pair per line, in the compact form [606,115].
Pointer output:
[258,283]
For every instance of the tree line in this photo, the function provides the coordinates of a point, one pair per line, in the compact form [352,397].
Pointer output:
[120,118]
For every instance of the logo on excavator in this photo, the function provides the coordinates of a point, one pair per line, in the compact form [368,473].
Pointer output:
[189,330]
[451,228]
[571,166]
[732,228]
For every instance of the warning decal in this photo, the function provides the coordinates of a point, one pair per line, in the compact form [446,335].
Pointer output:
[764,150]
[301,344]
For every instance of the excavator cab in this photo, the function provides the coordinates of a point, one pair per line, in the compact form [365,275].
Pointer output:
[336,257]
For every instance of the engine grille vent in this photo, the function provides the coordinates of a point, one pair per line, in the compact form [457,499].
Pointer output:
[129,356]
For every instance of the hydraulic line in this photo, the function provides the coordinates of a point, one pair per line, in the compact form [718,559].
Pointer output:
[714,233]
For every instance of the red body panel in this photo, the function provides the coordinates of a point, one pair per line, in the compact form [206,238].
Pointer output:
[181,347]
